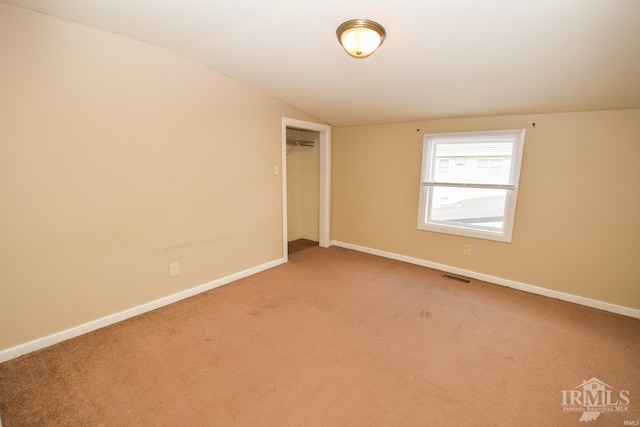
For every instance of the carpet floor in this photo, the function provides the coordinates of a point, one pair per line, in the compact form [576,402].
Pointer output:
[300,245]
[338,338]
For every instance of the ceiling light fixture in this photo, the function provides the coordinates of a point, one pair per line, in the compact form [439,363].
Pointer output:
[360,37]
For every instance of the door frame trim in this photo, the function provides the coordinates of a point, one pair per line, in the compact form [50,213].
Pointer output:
[325,176]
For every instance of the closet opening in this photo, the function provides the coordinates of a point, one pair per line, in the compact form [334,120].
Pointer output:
[306,153]
[303,189]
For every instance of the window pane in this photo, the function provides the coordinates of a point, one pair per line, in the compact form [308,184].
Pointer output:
[484,163]
[476,207]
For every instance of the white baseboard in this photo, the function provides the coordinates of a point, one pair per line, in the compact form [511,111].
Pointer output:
[52,339]
[601,305]
[49,340]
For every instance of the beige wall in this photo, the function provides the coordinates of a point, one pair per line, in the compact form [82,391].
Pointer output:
[576,227]
[116,159]
[303,187]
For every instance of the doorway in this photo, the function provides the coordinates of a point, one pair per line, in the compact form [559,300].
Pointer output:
[305,183]
[303,189]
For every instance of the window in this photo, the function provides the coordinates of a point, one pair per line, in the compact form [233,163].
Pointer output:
[488,167]
[475,197]
[443,165]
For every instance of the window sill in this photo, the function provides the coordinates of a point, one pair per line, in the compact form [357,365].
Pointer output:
[467,232]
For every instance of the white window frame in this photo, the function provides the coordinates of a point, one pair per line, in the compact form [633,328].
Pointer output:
[427,184]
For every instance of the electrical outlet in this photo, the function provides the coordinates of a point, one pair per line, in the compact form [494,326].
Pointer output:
[174,269]
[467,250]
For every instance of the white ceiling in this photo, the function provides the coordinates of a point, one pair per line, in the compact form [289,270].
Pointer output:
[441,58]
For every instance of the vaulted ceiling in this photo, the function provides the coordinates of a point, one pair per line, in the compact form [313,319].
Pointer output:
[441,58]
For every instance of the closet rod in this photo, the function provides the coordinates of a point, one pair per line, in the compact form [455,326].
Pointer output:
[300,142]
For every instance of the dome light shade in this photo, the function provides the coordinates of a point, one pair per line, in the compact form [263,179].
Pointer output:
[360,37]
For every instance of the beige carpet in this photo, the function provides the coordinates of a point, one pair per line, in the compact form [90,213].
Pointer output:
[334,338]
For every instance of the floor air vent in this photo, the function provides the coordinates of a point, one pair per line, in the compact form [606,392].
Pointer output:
[458,278]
